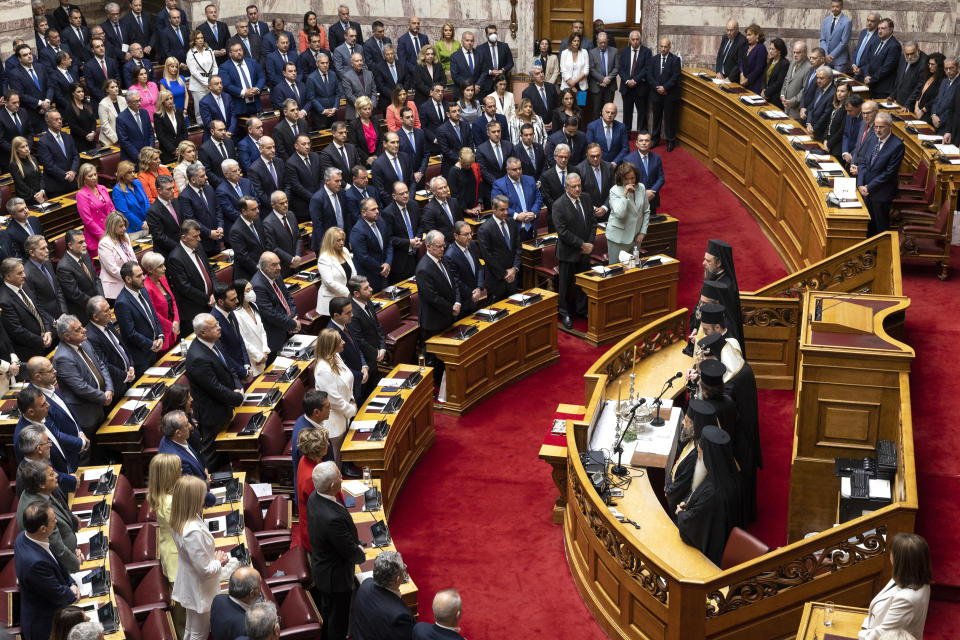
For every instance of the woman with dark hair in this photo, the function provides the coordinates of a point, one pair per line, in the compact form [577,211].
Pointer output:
[251,326]
[544,57]
[902,603]
[829,128]
[929,89]
[399,98]
[108,110]
[78,115]
[754,60]
[629,212]
[776,72]
[574,64]
[177,398]
[64,620]
[567,106]
[311,26]
[469,105]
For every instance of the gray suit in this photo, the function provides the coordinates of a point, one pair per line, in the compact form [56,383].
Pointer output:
[341,58]
[78,385]
[63,540]
[793,87]
[352,89]
[596,76]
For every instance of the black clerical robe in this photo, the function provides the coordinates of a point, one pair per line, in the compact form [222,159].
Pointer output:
[704,522]
[742,388]
[680,476]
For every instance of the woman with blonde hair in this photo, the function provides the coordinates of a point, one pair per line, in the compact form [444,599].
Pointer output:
[173,82]
[464,180]
[524,115]
[426,73]
[200,563]
[185,155]
[115,251]
[314,446]
[130,199]
[150,170]
[28,182]
[161,296]
[93,205]
[108,110]
[364,132]
[332,375]
[446,46]
[170,125]
[148,91]
[335,264]
[202,64]
[164,472]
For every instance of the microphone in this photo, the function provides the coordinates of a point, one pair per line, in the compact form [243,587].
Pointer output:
[658,421]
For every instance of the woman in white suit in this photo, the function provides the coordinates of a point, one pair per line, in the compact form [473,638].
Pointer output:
[333,376]
[108,110]
[902,603]
[335,264]
[200,562]
[629,212]
[252,331]
[574,64]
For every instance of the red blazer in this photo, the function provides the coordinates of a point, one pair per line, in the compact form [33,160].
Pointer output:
[160,304]
[304,489]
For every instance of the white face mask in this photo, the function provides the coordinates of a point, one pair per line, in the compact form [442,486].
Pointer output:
[250,297]
[492,38]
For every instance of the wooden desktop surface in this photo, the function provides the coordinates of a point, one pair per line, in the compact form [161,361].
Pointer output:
[846,622]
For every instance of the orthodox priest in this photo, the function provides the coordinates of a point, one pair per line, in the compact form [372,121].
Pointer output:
[707,516]
[710,388]
[714,319]
[718,267]
[680,470]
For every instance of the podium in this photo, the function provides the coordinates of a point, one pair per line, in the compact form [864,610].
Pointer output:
[848,396]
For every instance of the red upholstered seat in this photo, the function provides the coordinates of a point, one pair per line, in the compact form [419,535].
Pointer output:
[741,547]
[158,626]
[546,273]
[299,614]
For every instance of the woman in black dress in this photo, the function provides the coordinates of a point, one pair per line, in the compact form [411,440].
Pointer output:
[567,107]
[78,115]
[27,178]
[365,132]
[427,73]
[776,72]
[463,180]
[170,126]
[929,88]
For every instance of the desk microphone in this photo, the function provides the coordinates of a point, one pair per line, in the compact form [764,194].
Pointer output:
[658,421]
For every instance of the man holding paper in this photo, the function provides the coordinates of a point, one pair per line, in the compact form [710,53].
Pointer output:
[877,176]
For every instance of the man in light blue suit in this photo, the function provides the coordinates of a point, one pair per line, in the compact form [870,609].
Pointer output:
[610,134]
[866,43]
[243,80]
[84,380]
[651,169]
[524,196]
[835,37]
[134,129]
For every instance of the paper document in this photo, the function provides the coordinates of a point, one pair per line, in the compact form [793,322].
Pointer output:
[845,188]
[720,81]
[929,137]
[880,489]
[915,123]
[254,397]
[261,489]
[850,204]
[860,88]
[86,588]
[136,392]
[90,475]
[281,363]
[354,487]
[219,492]
[800,139]
[84,535]
[390,382]
[363,426]
[775,114]
[363,576]
[948,149]
[132,405]
[158,372]
[831,166]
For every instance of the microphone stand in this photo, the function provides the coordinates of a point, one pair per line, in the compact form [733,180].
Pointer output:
[657,420]
[619,469]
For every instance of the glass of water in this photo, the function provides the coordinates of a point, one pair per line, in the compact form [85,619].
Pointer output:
[367,476]
[828,613]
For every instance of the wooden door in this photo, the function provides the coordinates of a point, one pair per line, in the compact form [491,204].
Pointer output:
[554,18]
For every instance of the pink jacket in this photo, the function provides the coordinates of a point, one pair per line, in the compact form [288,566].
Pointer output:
[93,212]
[112,257]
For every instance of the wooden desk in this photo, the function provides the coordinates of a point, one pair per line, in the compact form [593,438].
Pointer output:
[411,433]
[846,622]
[499,353]
[619,304]
[83,496]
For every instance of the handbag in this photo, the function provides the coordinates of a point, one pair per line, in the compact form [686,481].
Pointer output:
[581,98]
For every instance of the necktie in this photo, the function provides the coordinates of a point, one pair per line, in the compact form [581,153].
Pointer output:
[506,233]
[62,148]
[208,286]
[44,271]
[456,130]
[662,60]
[85,270]
[283,300]
[117,347]
[533,157]
[246,46]
[473,267]
[376,232]
[563,178]
[236,188]
[136,118]
[406,221]
[242,70]
[493,56]
[286,225]
[296,91]
[360,75]
[880,46]
[580,211]
[173,212]
[496,151]
[223,150]
[283,55]
[306,161]
[446,210]
[603,62]
[116,27]
[16,120]
[416,43]
[296,131]
[213,28]
[216,350]
[393,72]
[396,167]
[179,35]
[609,135]
[36,80]
[343,155]
[863,47]
[253,230]
[203,197]
[140,22]
[833,25]
[633,65]
[413,145]
[350,49]
[470,61]
[67,75]
[726,50]
[93,368]
[596,176]
[439,113]
[32,309]
[523,201]
[543,96]
[336,209]
[79,35]
[273,172]
[444,272]
[380,46]
[876,152]
[645,172]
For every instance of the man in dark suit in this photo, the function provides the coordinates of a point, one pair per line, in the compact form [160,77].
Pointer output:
[58,155]
[35,93]
[233,187]
[447,610]
[173,39]
[277,308]
[479,128]
[76,35]
[452,135]
[288,87]
[388,73]
[40,277]
[403,220]
[552,182]
[634,89]
[392,165]
[336,34]
[492,157]
[328,208]
[462,258]
[248,149]
[76,275]
[542,96]
[163,16]
[323,94]
[199,203]
[27,324]
[730,54]
[494,60]
[84,380]
[217,148]
[189,274]
[70,446]
[283,233]
[821,100]
[134,128]
[410,43]
[176,430]
[164,217]
[525,201]
[248,238]
[250,41]
[13,123]
[256,25]
[341,314]
[243,80]
[464,63]
[267,172]
[571,136]
[358,191]
[307,61]
[137,319]
[610,134]
[432,115]
[378,611]
[374,47]
[877,175]
[335,550]
[140,25]
[132,67]
[304,173]
[316,409]
[370,240]
[532,158]
[48,55]
[339,154]
[231,343]
[62,77]
[439,296]
[276,60]
[651,169]
[597,178]
[107,343]
[576,227]
[365,329]
[290,126]
[442,212]
[880,73]
[910,74]
[217,105]
[663,76]
[413,142]
[116,36]
[45,585]
[60,17]
[215,388]
[228,613]
[501,247]
[343,52]
[215,33]
[277,28]
[865,45]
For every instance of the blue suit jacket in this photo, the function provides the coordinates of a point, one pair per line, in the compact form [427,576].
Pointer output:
[132,138]
[247,151]
[129,68]
[209,216]
[367,253]
[531,194]
[353,197]
[189,465]
[44,587]
[653,178]
[269,41]
[209,111]
[485,64]
[58,460]
[882,68]
[64,427]
[274,65]
[450,144]
[30,95]
[466,278]
[862,59]
[323,95]
[836,44]
[460,70]
[228,619]
[227,198]
[78,386]
[55,164]
[385,174]
[880,176]
[233,85]
[282,91]
[47,55]
[93,75]
[851,133]
[816,108]
[669,79]
[169,45]
[406,53]
[138,332]
[479,129]
[323,216]
[419,156]
[620,146]
[231,345]
[625,62]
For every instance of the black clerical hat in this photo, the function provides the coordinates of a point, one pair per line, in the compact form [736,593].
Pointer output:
[713,314]
[712,344]
[713,289]
[711,372]
[715,435]
[702,413]
[717,248]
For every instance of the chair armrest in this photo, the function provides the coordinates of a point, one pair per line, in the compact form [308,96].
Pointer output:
[397,335]
[921,232]
[274,546]
[272,533]
[140,612]
[302,632]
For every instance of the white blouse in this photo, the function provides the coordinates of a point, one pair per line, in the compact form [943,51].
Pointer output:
[254,336]
[201,63]
[339,388]
[505,106]
[570,68]
[108,119]
[333,280]
[198,570]
[180,176]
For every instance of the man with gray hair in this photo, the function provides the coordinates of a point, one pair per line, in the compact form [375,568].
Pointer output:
[86,630]
[328,208]
[58,155]
[21,225]
[304,173]
[199,202]
[105,340]
[447,611]
[39,484]
[27,324]
[277,308]
[228,613]
[215,149]
[576,227]
[134,129]
[554,178]
[84,380]
[370,240]
[443,211]
[137,318]
[910,74]
[262,622]
[233,187]
[177,431]
[439,296]
[378,611]
[335,549]
[877,178]
[795,81]
[213,385]
[283,232]
[40,276]
[33,439]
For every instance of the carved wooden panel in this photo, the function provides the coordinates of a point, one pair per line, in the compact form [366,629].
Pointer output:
[765,185]
[731,150]
[848,423]
[694,127]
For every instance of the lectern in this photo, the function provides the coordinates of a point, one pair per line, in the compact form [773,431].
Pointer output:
[848,395]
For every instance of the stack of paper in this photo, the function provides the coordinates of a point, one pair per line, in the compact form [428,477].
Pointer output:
[928,137]
[281,363]
[948,149]
[774,114]
[754,99]
[354,487]
[363,426]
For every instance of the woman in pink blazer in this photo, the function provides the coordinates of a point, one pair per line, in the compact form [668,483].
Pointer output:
[161,296]
[115,251]
[93,205]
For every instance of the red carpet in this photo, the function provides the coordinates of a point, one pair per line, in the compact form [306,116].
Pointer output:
[475,514]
